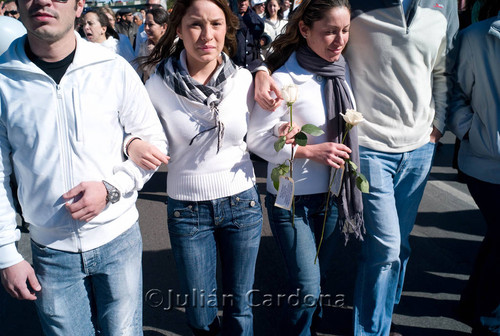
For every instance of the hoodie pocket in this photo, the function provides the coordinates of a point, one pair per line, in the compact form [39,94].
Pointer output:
[482,138]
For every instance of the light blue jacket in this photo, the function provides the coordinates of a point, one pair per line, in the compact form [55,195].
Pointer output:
[475,108]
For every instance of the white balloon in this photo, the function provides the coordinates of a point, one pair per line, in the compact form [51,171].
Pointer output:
[10,29]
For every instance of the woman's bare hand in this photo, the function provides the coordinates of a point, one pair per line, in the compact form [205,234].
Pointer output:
[146,155]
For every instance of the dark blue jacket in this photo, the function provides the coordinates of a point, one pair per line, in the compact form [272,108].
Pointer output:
[248,38]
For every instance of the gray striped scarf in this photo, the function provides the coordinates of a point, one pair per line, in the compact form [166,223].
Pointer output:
[178,79]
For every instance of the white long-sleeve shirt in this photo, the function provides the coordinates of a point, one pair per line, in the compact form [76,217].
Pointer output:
[310,177]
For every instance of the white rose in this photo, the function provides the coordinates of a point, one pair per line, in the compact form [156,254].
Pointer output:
[352,117]
[290,93]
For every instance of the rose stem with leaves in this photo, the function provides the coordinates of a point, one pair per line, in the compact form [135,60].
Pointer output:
[291,163]
[348,128]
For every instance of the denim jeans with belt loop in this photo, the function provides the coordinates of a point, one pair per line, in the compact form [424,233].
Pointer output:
[198,230]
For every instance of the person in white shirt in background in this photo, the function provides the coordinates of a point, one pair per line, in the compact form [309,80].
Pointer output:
[98,29]
[274,23]
[111,15]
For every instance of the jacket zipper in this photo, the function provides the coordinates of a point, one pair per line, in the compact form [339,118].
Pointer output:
[66,160]
[403,15]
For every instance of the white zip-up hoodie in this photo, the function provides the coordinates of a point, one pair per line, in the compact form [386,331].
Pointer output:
[62,134]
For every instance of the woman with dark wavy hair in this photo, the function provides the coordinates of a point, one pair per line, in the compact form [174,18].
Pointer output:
[309,55]
[155,26]
[203,101]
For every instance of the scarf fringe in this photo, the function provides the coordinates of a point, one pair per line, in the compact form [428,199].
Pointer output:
[354,226]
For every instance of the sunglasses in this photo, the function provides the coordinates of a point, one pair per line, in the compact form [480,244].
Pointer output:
[12,12]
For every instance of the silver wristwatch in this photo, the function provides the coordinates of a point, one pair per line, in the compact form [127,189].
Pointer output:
[113,195]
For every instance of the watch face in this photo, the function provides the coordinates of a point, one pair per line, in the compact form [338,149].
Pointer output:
[113,193]
[114,196]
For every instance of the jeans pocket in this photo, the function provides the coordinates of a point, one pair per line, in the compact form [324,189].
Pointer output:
[182,217]
[246,208]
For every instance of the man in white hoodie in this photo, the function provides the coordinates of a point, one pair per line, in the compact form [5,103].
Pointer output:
[65,108]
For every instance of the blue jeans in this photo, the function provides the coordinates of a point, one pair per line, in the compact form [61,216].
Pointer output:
[397,182]
[98,290]
[232,225]
[298,246]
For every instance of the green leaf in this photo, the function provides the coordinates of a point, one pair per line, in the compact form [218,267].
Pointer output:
[275,177]
[311,129]
[278,171]
[280,143]
[301,139]
[362,183]
[354,167]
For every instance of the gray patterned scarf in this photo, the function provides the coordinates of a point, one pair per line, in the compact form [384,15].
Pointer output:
[178,79]
[336,93]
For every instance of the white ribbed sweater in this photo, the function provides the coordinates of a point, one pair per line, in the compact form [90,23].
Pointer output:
[196,172]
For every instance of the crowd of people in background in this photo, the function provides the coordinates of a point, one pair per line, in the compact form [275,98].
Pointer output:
[207,95]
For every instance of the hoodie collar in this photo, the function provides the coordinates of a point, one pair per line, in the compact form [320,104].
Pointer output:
[86,53]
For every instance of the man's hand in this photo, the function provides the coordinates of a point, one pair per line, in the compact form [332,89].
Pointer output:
[15,279]
[146,155]
[264,85]
[89,199]
[2,8]
[435,135]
